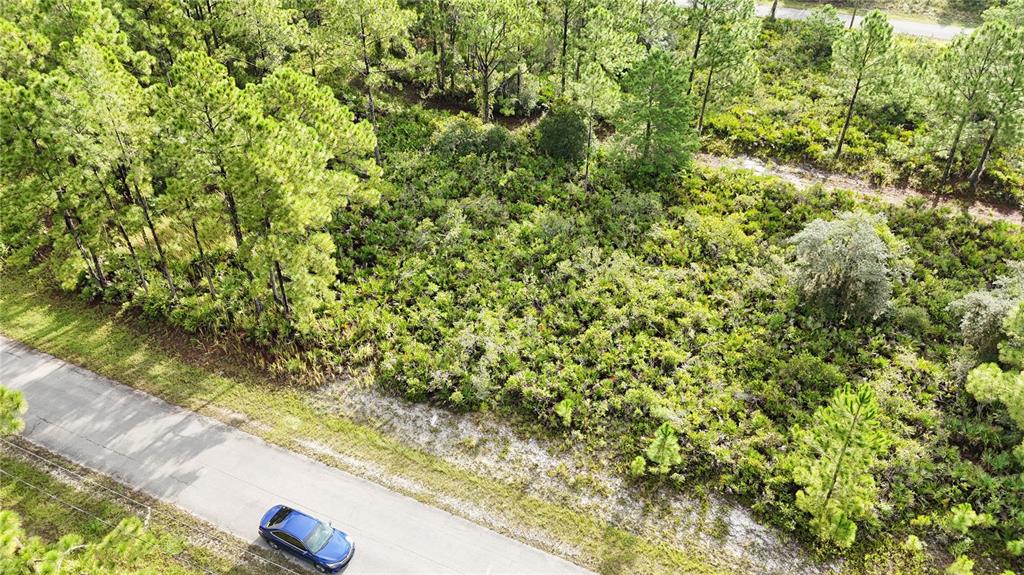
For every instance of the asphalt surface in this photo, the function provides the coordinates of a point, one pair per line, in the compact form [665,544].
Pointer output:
[909,27]
[229,477]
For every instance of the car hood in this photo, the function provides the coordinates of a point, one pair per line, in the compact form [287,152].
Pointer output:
[337,548]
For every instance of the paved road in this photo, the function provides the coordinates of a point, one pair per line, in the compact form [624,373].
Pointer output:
[909,27]
[230,478]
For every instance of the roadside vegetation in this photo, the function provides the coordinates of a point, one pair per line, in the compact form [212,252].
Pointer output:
[294,180]
[219,378]
[57,518]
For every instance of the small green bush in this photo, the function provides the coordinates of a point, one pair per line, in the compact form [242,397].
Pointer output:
[562,134]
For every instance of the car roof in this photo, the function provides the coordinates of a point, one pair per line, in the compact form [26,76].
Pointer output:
[298,524]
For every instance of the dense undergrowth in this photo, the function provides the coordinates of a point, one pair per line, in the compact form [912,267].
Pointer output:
[479,286]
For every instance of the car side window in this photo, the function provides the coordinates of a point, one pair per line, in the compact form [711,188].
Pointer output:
[294,542]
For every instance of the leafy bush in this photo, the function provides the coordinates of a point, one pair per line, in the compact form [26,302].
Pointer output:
[562,133]
[961,566]
[464,136]
[982,312]
[846,266]
[819,31]
[991,382]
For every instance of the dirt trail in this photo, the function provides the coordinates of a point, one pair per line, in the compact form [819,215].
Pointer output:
[804,177]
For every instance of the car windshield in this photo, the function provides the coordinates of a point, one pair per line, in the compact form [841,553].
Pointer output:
[279,517]
[318,537]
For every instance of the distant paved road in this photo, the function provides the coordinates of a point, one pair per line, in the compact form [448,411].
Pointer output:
[230,478]
[909,27]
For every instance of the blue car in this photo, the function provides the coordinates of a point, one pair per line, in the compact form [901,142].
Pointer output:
[328,549]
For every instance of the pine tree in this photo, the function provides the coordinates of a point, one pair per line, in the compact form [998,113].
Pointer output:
[864,60]
[656,117]
[370,30]
[206,124]
[255,37]
[12,406]
[308,158]
[723,61]
[971,72]
[48,165]
[567,21]
[106,108]
[490,33]
[703,17]
[608,48]
[833,463]
[1004,108]
[208,129]
[119,552]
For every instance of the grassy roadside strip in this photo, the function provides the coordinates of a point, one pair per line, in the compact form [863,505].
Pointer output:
[55,497]
[203,377]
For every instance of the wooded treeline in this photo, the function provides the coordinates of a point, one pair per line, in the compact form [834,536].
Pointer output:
[195,152]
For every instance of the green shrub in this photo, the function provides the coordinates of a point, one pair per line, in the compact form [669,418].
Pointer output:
[818,32]
[464,136]
[562,134]
[845,267]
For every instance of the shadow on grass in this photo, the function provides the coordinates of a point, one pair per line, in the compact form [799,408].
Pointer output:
[619,553]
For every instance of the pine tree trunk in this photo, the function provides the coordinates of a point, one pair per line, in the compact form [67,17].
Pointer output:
[127,241]
[441,59]
[232,207]
[453,36]
[849,117]
[99,269]
[953,148]
[156,241]
[206,266]
[980,169]
[213,29]
[590,139]
[485,96]
[273,288]
[647,124]
[771,15]
[229,198]
[369,90]
[439,46]
[842,454]
[284,294]
[704,102]
[69,223]
[693,61]
[565,43]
